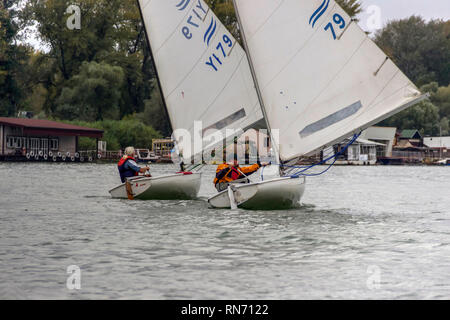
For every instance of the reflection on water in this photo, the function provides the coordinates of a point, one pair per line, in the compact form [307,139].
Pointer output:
[361,232]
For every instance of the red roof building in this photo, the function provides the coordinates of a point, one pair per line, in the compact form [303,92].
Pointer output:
[33,138]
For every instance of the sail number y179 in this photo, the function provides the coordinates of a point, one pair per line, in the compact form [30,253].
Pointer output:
[216,58]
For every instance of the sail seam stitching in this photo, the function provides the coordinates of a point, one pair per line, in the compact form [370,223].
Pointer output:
[332,79]
[176,29]
[298,51]
[223,89]
[193,68]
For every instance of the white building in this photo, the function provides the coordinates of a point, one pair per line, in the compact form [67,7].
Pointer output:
[440,146]
[361,152]
[437,142]
[382,135]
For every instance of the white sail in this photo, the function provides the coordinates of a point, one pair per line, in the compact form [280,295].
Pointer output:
[203,71]
[320,76]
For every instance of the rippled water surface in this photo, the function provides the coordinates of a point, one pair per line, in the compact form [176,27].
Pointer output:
[361,233]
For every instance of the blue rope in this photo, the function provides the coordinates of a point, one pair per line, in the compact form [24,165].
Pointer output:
[306,168]
[301,173]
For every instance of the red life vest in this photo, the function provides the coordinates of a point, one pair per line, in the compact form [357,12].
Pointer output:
[235,174]
[122,172]
[125,159]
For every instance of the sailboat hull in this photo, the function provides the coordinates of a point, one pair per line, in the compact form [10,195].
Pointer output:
[276,194]
[170,187]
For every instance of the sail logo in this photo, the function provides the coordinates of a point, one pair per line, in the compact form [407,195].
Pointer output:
[210,32]
[197,16]
[319,12]
[183,4]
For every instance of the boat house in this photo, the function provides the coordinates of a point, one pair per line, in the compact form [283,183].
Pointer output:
[33,139]
[163,147]
[385,136]
[439,146]
[361,152]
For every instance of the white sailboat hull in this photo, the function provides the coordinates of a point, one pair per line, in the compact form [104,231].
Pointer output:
[276,194]
[169,187]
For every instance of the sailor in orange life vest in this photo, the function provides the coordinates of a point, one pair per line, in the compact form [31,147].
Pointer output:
[227,173]
[128,167]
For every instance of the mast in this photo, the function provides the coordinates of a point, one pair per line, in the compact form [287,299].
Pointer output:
[155,68]
[255,80]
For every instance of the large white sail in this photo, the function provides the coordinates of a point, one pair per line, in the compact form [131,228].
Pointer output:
[320,76]
[203,71]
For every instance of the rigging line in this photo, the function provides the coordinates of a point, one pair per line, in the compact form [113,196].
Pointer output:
[223,89]
[330,82]
[193,68]
[308,167]
[188,11]
[335,156]
[299,50]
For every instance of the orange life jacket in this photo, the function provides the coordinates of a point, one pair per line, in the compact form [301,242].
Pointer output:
[228,173]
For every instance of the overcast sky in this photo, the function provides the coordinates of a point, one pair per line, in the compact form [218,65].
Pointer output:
[399,9]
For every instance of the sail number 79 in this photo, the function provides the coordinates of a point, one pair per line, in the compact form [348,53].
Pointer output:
[339,21]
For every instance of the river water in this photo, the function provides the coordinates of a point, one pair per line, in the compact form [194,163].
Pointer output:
[361,233]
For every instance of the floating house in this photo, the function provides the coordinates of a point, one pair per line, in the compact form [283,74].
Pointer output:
[411,136]
[163,147]
[33,139]
[385,136]
[361,152]
[439,146]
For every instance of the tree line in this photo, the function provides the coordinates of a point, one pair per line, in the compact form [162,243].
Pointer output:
[103,73]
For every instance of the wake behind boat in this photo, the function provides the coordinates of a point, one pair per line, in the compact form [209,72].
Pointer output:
[179,186]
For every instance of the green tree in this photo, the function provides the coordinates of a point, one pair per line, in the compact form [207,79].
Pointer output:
[352,7]
[119,134]
[93,94]
[442,99]
[11,59]
[111,31]
[420,49]
[423,117]
[224,10]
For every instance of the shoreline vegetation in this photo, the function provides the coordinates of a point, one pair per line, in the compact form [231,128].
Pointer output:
[102,75]
[119,134]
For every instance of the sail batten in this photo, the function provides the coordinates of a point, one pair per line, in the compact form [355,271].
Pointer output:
[321,77]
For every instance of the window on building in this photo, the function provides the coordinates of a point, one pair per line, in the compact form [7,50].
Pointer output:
[15,142]
[9,142]
[54,144]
